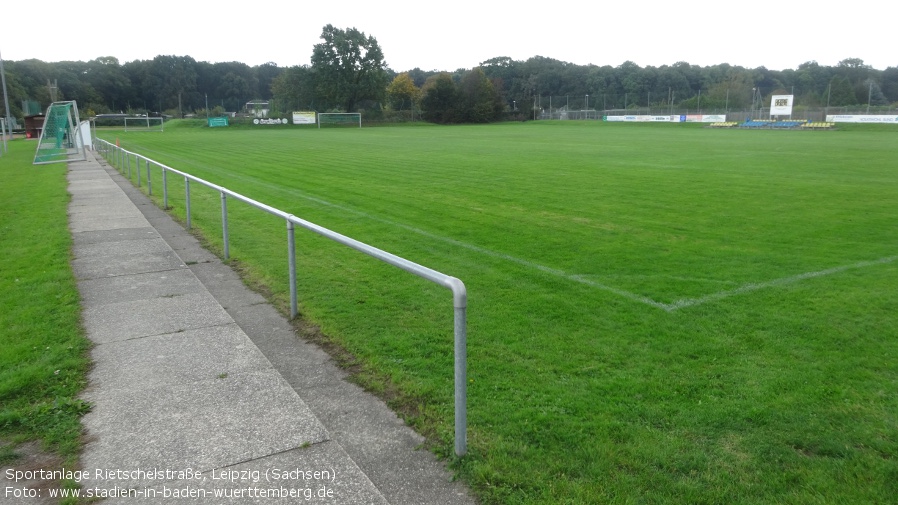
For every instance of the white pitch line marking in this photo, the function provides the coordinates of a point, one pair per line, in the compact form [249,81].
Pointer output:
[747,288]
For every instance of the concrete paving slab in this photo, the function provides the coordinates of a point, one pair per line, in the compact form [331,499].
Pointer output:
[115,322]
[383,446]
[166,226]
[122,248]
[82,223]
[321,473]
[99,236]
[175,358]
[88,181]
[105,208]
[105,265]
[200,425]
[94,194]
[141,286]
[189,248]
[80,175]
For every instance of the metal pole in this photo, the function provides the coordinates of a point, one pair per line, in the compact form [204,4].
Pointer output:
[461,384]
[224,225]
[164,189]
[869,96]
[291,260]
[138,169]
[187,199]
[5,97]
[149,180]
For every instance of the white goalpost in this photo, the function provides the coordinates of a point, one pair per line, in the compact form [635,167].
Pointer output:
[144,124]
[340,119]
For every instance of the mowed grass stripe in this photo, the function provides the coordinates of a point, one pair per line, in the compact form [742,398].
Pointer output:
[579,395]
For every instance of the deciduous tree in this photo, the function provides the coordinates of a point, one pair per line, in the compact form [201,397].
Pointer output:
[440,99]
[402,92]
[349,67]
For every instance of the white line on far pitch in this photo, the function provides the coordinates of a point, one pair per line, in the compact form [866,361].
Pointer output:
[747,288]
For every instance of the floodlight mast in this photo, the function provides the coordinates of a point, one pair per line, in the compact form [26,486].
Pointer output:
[5,97]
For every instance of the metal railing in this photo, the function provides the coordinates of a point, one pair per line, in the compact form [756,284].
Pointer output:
[121,159]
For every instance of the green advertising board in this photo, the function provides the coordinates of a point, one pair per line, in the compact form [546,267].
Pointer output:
[217,121]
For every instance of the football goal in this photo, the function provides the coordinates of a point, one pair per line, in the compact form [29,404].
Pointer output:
[60,139]
[350,119]
[144,124]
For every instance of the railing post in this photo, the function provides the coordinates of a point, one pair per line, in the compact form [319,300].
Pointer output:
[187,199]
[149,180]
[164,189]
[291,259]
[460,304]
[224,225]
[461,384]
[138,169]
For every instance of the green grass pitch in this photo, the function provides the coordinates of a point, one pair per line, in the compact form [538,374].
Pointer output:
[657,313]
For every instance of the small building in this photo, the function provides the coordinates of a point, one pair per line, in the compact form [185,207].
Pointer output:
[257,108]
[33,126]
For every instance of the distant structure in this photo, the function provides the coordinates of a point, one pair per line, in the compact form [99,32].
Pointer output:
[257,108]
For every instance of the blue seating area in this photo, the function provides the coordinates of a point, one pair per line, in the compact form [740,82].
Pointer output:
[751,123]
[788,124]
[761,123]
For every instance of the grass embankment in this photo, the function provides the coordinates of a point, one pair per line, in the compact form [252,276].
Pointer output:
[43,352]
[657,313]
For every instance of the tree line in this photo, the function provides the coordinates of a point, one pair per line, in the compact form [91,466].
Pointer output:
[348,73]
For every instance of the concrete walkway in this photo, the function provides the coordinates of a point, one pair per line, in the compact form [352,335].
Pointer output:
[200,387]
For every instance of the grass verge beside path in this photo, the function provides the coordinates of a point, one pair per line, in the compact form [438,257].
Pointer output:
[43,350]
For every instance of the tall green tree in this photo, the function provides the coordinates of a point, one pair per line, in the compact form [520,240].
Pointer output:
[890,84]
[440,99]
[171,81]
[480,102]
[841,92]
[294,88]
[265,74]
[349,67]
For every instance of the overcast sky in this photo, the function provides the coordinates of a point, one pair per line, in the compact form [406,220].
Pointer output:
[435,35]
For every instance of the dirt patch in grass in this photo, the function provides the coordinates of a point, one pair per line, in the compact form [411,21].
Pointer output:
[30,458]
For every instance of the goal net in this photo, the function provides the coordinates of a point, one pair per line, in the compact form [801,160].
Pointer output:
[338,119]
[60,139]
[144,124]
